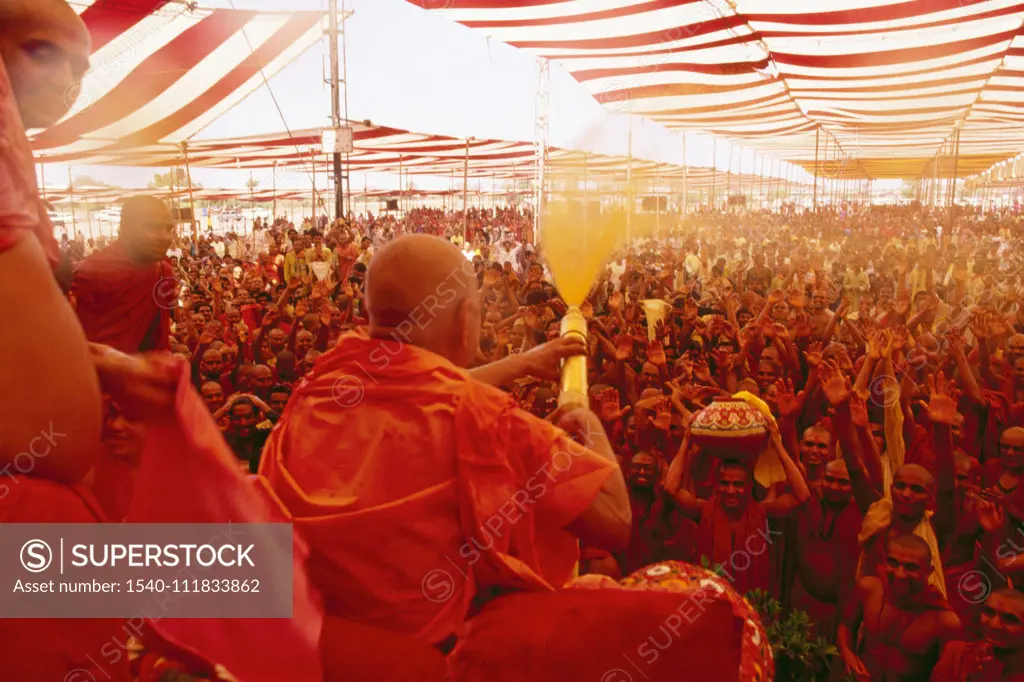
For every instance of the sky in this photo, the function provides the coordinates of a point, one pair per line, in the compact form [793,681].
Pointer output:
[409,69]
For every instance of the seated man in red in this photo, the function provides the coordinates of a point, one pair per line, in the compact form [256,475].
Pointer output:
[422,490]
[125,293]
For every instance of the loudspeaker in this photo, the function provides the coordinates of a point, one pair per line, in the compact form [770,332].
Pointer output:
[391,205]
[738,200]
[655,203]
[182,215]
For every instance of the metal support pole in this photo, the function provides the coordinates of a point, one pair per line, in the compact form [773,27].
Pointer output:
[191,196]
[312,156]
[817,137]
[465,190]
[952,188]
[71,196]
[714,171]
[339,189]
[274,209]
[686,192]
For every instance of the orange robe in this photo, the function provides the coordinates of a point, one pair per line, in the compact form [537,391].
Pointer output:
[21,211]
[123,305]
[743,548]
[421,490]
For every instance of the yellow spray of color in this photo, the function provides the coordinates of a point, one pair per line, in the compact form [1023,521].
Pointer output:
[577,244]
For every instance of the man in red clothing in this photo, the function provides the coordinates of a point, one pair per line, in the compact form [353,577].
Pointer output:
[440,477]
[126,292]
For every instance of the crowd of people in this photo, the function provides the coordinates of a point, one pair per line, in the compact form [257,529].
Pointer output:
[884,340]
[390,386]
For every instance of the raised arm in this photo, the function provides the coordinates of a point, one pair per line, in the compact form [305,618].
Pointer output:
[942,411]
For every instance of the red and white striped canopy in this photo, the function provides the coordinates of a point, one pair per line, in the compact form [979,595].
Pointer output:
[162,71]
[885,81]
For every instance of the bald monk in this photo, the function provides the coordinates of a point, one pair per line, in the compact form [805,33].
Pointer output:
[914,490]
[904,621]
[732,527]
[999,656]
[441,493]
[1003,475]
[126,291]
[826,546]
[52,359]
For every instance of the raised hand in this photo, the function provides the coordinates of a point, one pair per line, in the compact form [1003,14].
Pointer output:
[663,415]
[610,411]
[701,371]
[813,354]
[623,347]
[834,383]
[902,304]
[802,328]
[942,401]
[991,515]
[656,354]
[788,402]
[615,301]
[858,411]
[797,299]
[690,309]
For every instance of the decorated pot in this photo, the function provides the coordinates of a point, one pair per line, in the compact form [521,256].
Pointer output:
[730,428]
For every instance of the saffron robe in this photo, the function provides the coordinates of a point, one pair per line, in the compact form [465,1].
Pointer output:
[123,305]
[420,489]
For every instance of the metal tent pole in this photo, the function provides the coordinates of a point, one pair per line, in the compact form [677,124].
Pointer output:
[714,170]
[339,189]
[465,190]
[686,192]
[71,195]
[817,138]
[191,196]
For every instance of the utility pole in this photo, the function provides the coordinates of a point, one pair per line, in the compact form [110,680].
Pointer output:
[339,189]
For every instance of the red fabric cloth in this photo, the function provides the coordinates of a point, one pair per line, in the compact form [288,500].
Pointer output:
[611,635]
[189,475]
[123,305]
[742,548]
[22,213]
[40,650]
[440,490]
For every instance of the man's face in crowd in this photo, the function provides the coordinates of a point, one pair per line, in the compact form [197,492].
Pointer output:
[819,300]
[516,336]
[733,482]
[1002,620]
[836,488]
[276,339]
[211,364]
[45,49]
[303,343]
[261,379]
[965,467]
[643,471]
[213,396]
[814,447]
[907,569]
[1015,349]
[278,400]
[233,316]
[649,376]
[885,295]
[206,311]
[1011,448]
[766,375]
[912,490]
[243,419]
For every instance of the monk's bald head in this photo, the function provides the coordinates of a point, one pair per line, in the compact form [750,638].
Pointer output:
[45,49]
[147,228]
[421,290]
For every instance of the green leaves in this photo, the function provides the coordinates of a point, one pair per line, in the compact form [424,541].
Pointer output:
[799,655]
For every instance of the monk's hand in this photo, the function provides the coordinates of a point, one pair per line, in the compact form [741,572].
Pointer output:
[580,423]
[545,361]
[855,666]
[143,386]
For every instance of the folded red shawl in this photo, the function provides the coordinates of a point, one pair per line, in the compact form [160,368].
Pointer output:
[189,475]
[123,305]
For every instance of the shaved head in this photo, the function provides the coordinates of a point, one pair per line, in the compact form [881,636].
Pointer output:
[147,228]
[422,291]
[45,49]
[911,543]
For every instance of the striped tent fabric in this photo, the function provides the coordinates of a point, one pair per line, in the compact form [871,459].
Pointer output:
[162,71]
[881,83]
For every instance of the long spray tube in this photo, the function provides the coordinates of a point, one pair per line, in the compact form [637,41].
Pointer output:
[573,389]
